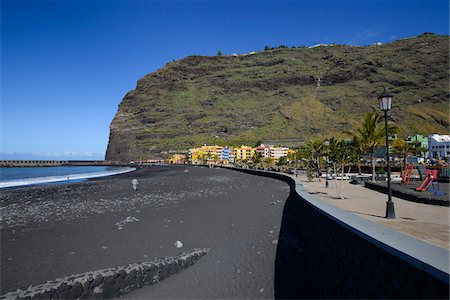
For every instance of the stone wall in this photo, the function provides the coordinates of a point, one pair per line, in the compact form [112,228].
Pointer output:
[109,283]
[325,252]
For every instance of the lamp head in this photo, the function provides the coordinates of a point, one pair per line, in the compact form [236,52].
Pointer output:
[385,100]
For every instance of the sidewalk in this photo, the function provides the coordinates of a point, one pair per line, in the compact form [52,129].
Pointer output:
[426,222]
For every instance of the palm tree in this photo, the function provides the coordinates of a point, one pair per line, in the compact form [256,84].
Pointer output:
[257,157]
[316,148]
[404,149]
[371,135]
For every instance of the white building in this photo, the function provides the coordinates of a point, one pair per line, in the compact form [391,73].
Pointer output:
[271,151]
[439,146]
[277,152]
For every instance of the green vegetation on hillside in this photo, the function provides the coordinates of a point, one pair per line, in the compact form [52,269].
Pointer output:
[232,100]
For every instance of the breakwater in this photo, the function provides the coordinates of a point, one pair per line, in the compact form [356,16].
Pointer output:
[109,283]
[325,252]
[57,163]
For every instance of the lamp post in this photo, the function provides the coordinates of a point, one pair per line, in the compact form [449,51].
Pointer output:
[296,160]
[385,100]
[326,143]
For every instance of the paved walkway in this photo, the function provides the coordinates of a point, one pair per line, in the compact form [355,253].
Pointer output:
[426,222]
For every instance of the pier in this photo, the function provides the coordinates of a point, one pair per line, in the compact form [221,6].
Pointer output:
[50,163]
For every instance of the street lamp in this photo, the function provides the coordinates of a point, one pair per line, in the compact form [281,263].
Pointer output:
[327,143]
[385,100]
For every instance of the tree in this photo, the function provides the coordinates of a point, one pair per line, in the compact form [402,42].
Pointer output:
[340,152]
[219,53]
[358,150]
[257,156]
[282,161]
[267,48]
[355,155]
[404,150]
[202,158]
[292,156]
[372,134]
[316,149]
[269,161]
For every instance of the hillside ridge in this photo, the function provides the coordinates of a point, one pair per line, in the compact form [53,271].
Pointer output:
[274,95]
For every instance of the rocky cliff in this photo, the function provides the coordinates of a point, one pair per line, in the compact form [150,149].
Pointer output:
[275,95]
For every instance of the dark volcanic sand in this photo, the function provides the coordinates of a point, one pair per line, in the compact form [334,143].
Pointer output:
[57,230]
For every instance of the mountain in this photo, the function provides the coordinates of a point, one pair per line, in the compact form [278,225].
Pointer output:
[274,95]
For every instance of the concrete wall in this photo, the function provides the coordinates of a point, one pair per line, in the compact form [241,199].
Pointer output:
[325,252]
[109,283]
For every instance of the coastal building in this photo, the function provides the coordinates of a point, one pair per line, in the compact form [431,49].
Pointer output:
[418,141]
[224,155]
[210,155]
[227,155]
[244,153]
[263,150]
[439,146]
[195,156]
[178,159]
[291,153]
[277,152]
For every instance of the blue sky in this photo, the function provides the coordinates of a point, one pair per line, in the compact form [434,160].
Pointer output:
[66,65]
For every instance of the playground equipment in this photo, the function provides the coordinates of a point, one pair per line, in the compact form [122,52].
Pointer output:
[408,171]
[435,188]
[428,181]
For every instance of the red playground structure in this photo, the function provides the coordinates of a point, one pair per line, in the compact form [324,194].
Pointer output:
[428,180]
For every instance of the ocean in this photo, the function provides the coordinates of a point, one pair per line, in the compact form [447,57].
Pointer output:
[13,177]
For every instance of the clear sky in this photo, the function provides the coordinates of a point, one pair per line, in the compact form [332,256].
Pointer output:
[66,65]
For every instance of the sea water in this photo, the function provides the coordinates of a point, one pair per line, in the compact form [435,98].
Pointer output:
[13,177]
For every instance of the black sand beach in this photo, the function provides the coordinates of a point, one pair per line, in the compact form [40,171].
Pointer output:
[58,230]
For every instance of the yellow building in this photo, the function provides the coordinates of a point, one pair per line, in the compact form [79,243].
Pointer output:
[178,159]
[205,154]
[291,153]
[196,156]
[244,153]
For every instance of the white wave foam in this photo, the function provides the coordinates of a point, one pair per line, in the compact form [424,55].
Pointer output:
[60,178]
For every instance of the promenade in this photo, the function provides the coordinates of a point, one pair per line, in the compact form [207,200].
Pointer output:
[426,222]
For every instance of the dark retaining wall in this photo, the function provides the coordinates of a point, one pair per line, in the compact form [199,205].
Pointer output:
[320,256]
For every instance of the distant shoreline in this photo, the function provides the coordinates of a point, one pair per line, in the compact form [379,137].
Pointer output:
[43,179]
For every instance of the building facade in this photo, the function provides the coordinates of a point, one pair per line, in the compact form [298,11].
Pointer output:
[177,159]
[244,153]
[224,155]
[439,146]
[278,152]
